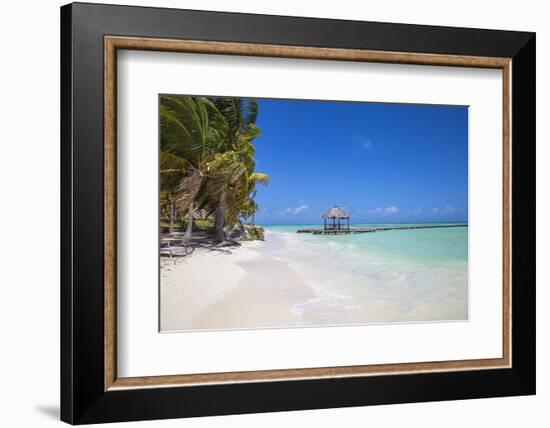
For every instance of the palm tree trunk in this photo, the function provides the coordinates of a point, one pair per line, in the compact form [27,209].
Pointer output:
[172,209]
[220,218]
[188,189]
[189,228]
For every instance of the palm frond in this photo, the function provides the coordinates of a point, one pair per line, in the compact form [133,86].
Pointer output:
[259,177]
[187,190]
[172,163]
[191,127]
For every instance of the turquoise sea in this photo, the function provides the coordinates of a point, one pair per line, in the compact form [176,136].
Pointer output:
[381,277]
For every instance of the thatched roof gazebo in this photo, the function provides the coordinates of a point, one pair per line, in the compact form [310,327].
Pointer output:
[336,214]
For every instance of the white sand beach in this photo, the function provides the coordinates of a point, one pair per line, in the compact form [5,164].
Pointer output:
[229,288]
[292,280]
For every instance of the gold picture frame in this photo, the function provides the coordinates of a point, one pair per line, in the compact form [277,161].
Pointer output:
[114,43]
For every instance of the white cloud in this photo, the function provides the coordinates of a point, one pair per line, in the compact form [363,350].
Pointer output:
[367,145]
[445,210]
[385,211]
[364,142]
[293,210]
[300,208]
[448,210]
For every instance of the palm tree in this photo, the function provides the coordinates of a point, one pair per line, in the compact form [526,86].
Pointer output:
[226,171]
[167,206]
[251,207]
[207,156]
[181,184]
[192,134]
[241,115]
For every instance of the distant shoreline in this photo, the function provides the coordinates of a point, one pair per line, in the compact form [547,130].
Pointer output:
[318,224]
[375,228]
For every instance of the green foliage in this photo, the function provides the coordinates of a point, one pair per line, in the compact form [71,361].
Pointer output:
[208,156]
[256,233]
[198,224]
[205,224]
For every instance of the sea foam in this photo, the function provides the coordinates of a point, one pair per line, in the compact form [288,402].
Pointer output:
[394,276]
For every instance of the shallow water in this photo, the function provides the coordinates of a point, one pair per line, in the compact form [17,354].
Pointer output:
[387,276]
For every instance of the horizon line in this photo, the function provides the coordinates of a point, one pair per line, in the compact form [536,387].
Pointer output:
[371,222]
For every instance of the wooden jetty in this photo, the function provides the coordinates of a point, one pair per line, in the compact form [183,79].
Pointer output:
[351,230]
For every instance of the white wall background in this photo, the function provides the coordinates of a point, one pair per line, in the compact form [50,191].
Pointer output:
[29,214]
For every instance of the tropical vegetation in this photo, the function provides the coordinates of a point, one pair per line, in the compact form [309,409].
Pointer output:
[207,162]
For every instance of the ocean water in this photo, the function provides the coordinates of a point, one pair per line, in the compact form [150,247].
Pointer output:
[382,277]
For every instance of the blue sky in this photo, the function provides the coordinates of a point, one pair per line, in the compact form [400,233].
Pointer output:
[385,163]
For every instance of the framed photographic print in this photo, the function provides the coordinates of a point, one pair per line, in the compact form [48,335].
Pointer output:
[265,213]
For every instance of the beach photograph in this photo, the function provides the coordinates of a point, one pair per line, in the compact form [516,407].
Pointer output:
[288,213]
